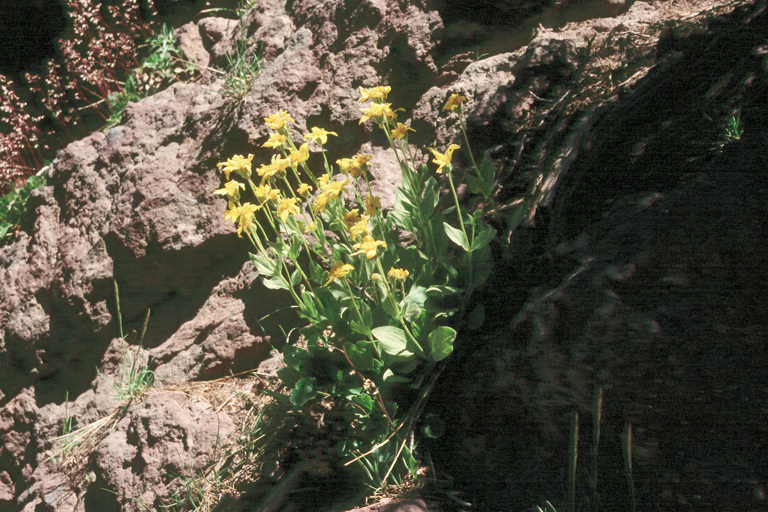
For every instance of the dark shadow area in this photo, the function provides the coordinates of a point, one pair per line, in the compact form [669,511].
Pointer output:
[27,33]
[674,339]
[172,284]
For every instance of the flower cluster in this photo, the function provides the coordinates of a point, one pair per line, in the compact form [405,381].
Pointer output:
[322,237]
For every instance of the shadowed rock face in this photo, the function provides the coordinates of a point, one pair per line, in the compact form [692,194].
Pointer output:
[650,285]
[643,274]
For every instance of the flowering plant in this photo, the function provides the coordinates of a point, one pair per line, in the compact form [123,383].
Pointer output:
[378,289]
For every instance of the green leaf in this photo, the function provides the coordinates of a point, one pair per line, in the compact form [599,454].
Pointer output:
[393,341]
[401,219]
[295,277]
[441,343]
[289,375]
[275,283]
[303,391]
[390,378]
[417,295]
[439,290]
[264,265]
[483,238]
[412,312]
[515,218]
[364,401]
[389,308]
[362,354]
[295,249]
[483,182]
[457,236]
[360,328]
[430,199]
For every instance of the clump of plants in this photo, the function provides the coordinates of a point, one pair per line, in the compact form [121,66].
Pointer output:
[382,292]
[68,96]
[164,65]
[13,206]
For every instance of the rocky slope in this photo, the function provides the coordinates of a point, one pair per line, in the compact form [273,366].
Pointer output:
[640,270]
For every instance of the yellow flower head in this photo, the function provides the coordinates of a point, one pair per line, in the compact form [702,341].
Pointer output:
[237,164]
[311,226]
[335,188]
[286,207]
[299,155]
[304,189]
[398,274]
[353,165]
[401,131]
[379,111]
[233,213]
[231,190]
[339,270]
[369,247]
[276,140]
[320,135]
[351,217]
[277,121]
[245,217]
[321,202]
[375,93]
[372,203]
[273,169]
[360,228]
[454,101]
[376,276]
[322,180]
[262,191]
[443,159]
[273,195]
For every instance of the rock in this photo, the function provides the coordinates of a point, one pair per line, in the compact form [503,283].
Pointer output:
[134,205]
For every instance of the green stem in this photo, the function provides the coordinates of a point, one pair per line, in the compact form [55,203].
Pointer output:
[464,230]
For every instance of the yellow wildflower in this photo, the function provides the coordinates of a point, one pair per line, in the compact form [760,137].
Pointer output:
[245,217]
[277,121]
[297,156]
[320,135]
[286,207]
[321,202]
[233,213]
[378,111]
[275,168]
[454,101]
[369,247]
[262,191]
[375,93]
[273,195]
[372,203]
[339,270]
[360,228]
[322,180]
[237,164]
[231,190]
[312,226]
[335,188]
[401,131]
[398,274]
[304,189]
[443,159]
[275,141]
[353,165]
[351,217]
[376,276]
